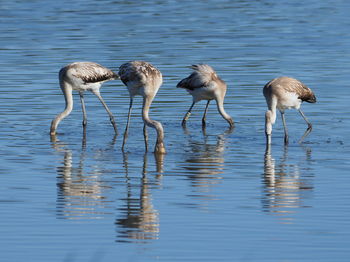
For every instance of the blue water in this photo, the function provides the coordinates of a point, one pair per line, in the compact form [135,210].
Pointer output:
[216,195]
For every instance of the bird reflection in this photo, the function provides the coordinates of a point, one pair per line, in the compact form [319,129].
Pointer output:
[80,192]
[204,162]
[139,219]
[285,185]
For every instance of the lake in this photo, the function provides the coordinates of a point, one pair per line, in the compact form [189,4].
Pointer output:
[218,194]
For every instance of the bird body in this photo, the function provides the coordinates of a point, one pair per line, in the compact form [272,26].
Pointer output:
[86,76]
[204,84]
[285,93]
[82,76]
[288,92]
[142,78]
[207,92]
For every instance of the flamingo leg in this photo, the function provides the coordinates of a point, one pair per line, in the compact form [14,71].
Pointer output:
[111,117]
[187,116]
[286,140]
[306,120]
[127,124]
[205,114]
[145,135]
[309,128]
[83,108]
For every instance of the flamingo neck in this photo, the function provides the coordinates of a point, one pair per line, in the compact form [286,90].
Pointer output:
[270,118]
[154,124]
[67,92]
[223,113]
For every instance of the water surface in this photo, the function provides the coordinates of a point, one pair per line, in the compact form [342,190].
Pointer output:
[218,194]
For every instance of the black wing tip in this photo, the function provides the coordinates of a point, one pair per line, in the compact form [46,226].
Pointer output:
[179,85]
[183,84]
[115,76]
[195,66]
[101,78]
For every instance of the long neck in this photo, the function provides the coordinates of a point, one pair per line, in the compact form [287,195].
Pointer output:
[227,117]
[154,124]
[270,118]
[67,92]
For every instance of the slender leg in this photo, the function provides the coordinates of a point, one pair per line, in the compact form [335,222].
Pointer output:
[204,130]
[83,108]
[111,117]
[205,114]
[309,128]
[127,124]
[307,121]
[83,143]
[285,129]
[145,135]
[187,116]
[144,167]
[268,149]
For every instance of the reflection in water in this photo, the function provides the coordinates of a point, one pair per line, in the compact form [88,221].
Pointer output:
[204,163]
[80,193]
[140,221]
[285,186]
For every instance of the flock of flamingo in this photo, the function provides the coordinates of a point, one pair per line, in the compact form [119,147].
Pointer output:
[142,78]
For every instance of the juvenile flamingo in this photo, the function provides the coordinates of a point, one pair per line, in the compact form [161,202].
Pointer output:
[205,84]
[142,78]
[82,76]
[285,93]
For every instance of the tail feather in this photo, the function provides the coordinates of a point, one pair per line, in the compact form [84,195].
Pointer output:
[203,68]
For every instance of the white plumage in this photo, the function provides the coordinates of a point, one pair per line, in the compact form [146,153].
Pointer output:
[204,84]
[82,76]
[142,78]
[285,93]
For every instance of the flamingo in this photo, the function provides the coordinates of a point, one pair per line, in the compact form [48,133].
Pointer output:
[82,76]
[285,93]
[205,84]
[142,78]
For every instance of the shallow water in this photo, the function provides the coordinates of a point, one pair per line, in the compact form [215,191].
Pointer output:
[217,195]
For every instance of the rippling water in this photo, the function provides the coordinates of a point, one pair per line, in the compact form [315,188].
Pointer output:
[217,195]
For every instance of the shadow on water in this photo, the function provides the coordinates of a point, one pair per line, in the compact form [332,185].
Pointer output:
[285,185]
[203,162]
[139,219]
[79,192]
